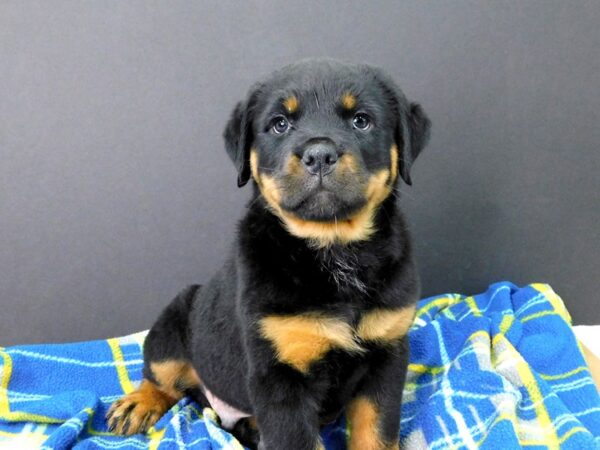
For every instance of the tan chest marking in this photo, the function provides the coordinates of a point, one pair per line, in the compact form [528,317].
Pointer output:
[385,325]
[303,339]
[306,338]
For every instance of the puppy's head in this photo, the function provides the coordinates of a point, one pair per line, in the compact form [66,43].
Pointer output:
[325,143]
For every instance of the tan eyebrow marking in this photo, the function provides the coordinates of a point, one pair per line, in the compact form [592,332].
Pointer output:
[348,100]
[291,104]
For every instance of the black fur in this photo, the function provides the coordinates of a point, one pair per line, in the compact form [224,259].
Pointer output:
[270,271]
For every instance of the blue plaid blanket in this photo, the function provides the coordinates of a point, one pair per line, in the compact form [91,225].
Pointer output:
[497,370]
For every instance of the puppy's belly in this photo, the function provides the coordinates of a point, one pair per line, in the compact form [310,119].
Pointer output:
[228,414]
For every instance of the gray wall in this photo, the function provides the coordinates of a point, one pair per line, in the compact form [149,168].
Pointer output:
[115,190]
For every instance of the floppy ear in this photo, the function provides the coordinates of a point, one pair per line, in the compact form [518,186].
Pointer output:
[411,124]
[238,137]
[412,134]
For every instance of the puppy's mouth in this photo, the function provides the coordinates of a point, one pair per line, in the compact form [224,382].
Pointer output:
[322,205]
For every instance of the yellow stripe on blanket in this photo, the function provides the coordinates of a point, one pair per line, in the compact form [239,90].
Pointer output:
[120,366]
[507,352]
[554,300]
[6,371]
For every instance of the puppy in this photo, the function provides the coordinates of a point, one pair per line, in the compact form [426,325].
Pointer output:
[308,316]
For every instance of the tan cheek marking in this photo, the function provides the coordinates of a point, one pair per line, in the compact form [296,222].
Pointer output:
[303,339]
[385,325]
[348,100]
[271,193]
[363,417]
[377,188]
[294,167]
[254,165]
[347,163]
[267,185]
[291,104]
[393,163]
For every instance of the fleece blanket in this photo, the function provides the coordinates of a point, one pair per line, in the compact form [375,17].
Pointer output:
[497,370]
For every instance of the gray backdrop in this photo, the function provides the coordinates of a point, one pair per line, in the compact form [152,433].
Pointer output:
[115,190]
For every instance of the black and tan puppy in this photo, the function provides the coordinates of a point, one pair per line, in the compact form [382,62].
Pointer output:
[308,316]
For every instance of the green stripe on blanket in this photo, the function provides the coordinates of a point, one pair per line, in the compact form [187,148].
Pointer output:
[497,370]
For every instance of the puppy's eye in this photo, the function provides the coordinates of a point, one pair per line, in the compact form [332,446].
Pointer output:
[361,122]
[280,125]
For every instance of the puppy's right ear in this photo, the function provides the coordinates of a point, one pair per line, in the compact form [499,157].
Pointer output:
[239,136]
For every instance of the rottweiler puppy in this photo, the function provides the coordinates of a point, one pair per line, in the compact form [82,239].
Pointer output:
[308,316]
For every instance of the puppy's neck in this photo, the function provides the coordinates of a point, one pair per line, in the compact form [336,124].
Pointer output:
[341,264]
[387,241]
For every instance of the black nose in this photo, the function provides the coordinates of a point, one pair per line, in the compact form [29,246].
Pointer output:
[319,158]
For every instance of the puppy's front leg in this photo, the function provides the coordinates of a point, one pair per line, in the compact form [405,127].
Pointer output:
[286,409]
[373,415]
[285,396]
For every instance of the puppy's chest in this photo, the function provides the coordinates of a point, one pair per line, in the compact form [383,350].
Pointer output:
[304,339]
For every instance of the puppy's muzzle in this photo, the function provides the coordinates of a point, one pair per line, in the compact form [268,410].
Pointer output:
[319,158]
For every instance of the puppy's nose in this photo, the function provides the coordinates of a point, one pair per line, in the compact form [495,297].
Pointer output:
[320,158]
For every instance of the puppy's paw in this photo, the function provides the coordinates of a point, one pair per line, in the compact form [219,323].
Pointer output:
[138,411]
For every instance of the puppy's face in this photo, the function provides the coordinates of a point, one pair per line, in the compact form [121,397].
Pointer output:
[325,142]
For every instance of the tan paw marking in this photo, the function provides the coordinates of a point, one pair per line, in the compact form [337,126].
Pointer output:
[139,410]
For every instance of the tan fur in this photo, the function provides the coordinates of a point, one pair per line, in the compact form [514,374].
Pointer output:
[347,163]
[170,373]
[385,325]
[303,339]
[294,167]
[267,185]
[271,193]
[393,163]
[151,401]
[363,419]
[254,165]
[324,234]
[377,188]
[149,404]
[348,101]
[291,104]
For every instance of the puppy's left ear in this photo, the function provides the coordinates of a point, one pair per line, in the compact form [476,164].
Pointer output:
[411,124]
[412,135]
[239,136]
